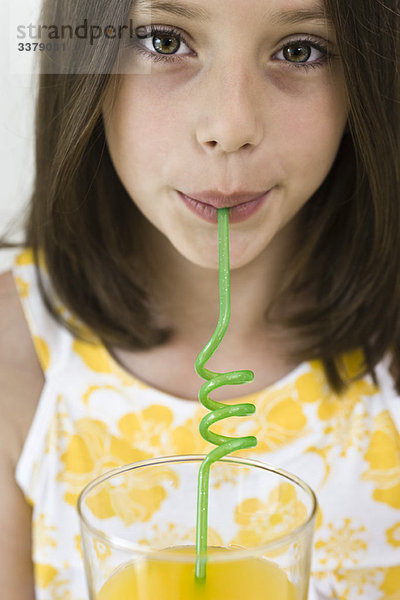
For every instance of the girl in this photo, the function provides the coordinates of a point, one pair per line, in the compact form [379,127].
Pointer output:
[285,111]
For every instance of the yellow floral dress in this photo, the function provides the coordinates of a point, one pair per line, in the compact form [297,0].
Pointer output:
[93,416]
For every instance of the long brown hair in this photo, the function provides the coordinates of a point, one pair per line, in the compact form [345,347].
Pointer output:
[83,222]
[351,259]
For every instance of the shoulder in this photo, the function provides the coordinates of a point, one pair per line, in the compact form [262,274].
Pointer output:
[21,382]
[21,377]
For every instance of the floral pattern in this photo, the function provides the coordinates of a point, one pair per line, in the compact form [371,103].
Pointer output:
[383,456]
[393,535]
[285,512]
[344,544]
[94,416]
[391,584]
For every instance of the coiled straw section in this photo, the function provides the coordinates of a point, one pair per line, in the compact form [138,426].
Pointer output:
[225,445]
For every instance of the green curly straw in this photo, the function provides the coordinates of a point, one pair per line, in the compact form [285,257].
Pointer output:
[219,411]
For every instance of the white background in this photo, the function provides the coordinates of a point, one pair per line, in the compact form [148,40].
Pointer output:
[17,99]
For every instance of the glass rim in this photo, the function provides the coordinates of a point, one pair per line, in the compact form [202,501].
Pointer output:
[235,553]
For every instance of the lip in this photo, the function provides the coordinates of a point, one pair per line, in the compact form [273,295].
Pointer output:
[218,199]
[242,205]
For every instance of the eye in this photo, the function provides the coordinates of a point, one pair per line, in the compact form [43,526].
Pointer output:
[297,53]
[302,53]
[158,42]
[168,44]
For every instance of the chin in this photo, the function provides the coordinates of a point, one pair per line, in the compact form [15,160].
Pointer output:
[208,260]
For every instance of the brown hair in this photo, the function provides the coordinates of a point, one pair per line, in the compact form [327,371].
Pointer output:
[83,221]
[351,259]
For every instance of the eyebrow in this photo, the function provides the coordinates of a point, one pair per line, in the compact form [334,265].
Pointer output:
[300,15]
[191,11]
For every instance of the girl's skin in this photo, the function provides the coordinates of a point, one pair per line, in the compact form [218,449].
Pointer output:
[231,114]
[234,114]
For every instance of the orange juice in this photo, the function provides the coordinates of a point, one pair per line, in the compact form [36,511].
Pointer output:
[234,579]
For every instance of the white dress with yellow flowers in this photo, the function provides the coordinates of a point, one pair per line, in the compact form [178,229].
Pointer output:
[93,415]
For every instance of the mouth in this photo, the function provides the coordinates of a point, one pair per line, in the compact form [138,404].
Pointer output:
[241,206]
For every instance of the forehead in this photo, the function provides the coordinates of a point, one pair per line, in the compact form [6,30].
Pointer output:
[275,11]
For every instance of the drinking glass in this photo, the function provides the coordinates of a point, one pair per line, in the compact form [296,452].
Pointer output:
[138,525]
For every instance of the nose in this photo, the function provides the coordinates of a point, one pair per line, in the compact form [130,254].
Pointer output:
[230,117]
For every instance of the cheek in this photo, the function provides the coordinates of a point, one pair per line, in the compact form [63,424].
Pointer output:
[135,131]
[147,124]
[310,140]
[312,115]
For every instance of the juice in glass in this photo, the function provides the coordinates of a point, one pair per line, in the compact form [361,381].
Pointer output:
[237,579]
[138,527]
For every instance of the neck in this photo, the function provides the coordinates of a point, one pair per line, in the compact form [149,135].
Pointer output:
[186,295]
[186,298]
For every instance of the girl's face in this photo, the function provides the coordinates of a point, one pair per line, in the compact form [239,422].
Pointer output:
[238,103]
